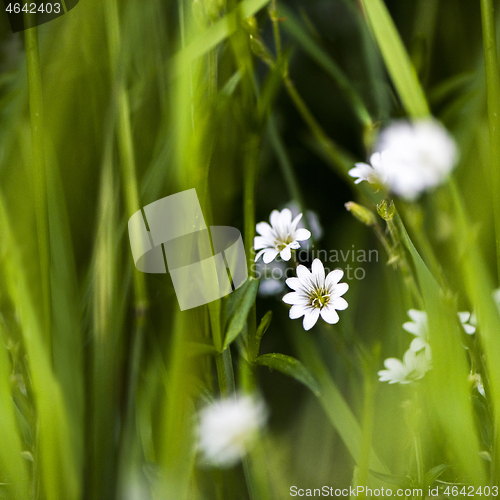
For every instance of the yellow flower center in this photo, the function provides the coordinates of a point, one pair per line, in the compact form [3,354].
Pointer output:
[319,298]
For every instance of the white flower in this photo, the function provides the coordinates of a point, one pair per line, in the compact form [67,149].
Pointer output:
[315,295]
[281,237]
[227,429]
[413,367]
[415,156]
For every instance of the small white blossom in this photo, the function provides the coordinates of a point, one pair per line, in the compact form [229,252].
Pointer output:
[280,237]
[413,367]
[410,158]
[315,295]
[228,428]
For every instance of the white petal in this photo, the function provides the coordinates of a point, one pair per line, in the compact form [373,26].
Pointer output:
[318,273]
[294,283]
[285,217]
[412,328]
[333,278]
[338,290]
[295,298]
[393,364]
[286,253]
[302,234]
[297,311]
[274,218]
[294,245]
[262,252]
[469,329]
[264,229]
[418,344]
[295,222]
[310,318]
[269,255]
[304,275]
[362,171]
[464,316]
[329,314]
[418,316]
[339,303]
[262,242]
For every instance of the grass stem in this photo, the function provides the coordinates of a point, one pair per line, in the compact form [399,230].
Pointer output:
[493,100]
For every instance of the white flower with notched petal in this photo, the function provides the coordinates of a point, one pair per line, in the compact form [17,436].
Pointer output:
[281,237]
[227,429]
[413,367]
[315,295]
[416,156]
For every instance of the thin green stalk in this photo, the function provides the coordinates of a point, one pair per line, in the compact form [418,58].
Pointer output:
[132,204]
[326,143]
[286,167]
[39,174]
[367,425]
[250,175]
[493,101]
[273,14]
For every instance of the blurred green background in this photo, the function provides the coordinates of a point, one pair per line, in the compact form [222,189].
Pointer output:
[133,101]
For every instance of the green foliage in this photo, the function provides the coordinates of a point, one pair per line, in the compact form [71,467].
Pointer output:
[253,103]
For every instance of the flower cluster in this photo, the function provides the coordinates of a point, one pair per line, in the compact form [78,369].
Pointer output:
[409,158]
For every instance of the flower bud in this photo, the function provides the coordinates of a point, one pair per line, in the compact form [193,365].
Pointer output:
[386,212]
[250,26]
[361,213]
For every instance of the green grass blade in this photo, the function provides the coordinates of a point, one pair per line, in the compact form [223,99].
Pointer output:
[215,34]
[291,367]
[449,388]
[334,404]
[396,59]
[242,309]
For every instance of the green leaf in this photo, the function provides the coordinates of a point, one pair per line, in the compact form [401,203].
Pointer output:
[449,394]
[335,406]
[396,59]
[264,325]
[291,367]
[239,308]
[254,346]
[200,349]
[435,473]
[215,34]
[390,479]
